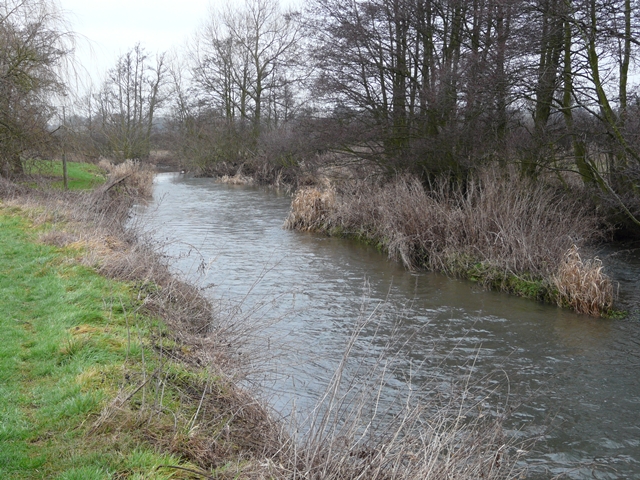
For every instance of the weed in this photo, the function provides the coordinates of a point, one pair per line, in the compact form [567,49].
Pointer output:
[583,285]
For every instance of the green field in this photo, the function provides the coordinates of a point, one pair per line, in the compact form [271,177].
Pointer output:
[80,176]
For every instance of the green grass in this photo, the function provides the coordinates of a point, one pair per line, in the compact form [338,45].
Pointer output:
[67,349]
[81,176]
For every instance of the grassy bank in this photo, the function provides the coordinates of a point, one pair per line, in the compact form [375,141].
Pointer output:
[499,230]
[106,372]
[112,368]
[70,347]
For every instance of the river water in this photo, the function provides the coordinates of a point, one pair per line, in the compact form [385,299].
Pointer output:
[576,380]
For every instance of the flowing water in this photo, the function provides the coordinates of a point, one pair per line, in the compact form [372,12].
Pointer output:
[578,378]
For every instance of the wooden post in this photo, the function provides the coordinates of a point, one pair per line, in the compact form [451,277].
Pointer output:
[64,149]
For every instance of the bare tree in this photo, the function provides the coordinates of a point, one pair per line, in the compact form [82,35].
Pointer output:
[127,102]
[244,60]
[429,79]
[34,44]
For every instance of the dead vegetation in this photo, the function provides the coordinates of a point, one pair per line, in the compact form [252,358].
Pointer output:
[311,209]
[353,434]
[139,177]
[582,285]
[499,229]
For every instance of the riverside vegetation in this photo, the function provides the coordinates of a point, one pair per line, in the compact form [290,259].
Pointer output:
[113,368]
[500,230]
[422,103]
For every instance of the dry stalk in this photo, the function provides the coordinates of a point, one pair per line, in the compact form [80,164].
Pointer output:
[139,177]
[583,285]
[311,209]
[353,434]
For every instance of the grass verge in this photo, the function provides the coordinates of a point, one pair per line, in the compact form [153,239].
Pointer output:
[68,348]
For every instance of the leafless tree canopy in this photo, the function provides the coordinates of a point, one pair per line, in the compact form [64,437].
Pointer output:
[431,87]
[124,108]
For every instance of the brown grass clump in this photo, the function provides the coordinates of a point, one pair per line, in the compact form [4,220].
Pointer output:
[583,285]
[138,176]
[311,209]
[237,179]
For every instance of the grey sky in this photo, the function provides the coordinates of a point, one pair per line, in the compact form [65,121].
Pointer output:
[109,28]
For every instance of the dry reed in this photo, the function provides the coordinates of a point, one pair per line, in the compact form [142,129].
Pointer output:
[583,285]
[237,179]
[499,229]
[139,176]
[311,209]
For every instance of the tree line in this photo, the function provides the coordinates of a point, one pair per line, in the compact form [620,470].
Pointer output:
[430,87]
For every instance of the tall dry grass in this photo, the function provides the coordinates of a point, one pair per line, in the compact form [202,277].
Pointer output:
[582,285]
[500,229]
[311,209]
[138,176]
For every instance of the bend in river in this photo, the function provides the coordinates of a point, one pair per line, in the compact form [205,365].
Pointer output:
[577,377]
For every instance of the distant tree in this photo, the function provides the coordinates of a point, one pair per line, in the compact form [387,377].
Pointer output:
[34,45]
[124,108]
[428,79]
[243,63]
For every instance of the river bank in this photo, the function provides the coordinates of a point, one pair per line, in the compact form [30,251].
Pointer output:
[109,370]
[575,374]
[534,239]
[116,372]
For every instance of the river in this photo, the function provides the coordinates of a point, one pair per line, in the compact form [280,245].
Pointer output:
[575,379]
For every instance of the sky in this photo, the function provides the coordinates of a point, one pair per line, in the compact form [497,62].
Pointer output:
[106,29]
[109,28]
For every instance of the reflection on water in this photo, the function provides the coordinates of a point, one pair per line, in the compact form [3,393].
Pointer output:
[578,377]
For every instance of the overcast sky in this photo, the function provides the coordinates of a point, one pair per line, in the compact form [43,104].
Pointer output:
[108,28]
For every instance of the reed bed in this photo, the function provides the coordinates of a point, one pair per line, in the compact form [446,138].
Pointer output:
[237,179]
[499,229]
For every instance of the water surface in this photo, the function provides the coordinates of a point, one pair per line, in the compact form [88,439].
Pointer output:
[578,377]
